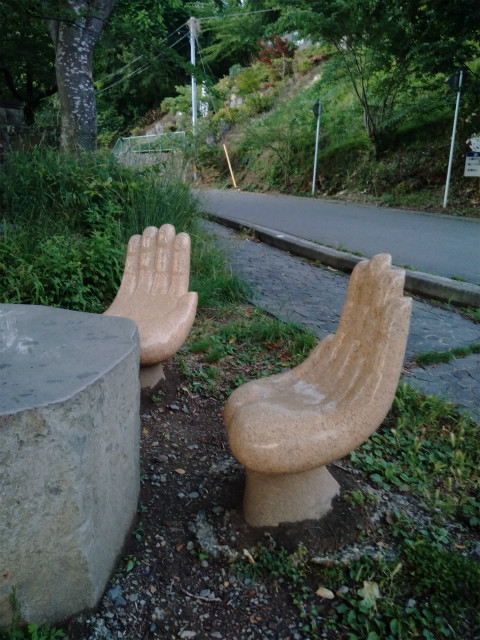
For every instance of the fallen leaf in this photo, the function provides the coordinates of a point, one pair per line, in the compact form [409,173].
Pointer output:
[370,594]
[249,556]
[382,544]
[179,547]
[323,592]
[389,517]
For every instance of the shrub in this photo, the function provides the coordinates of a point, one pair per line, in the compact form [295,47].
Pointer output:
[66,222]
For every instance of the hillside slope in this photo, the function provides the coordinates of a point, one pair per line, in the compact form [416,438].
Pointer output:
[263,116]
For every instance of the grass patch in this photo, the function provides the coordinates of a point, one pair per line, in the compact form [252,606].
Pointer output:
[244,343]
[425,358]
[426,448]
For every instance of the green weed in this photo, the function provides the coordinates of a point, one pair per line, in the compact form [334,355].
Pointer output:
[244,343]
[472,313]
[375,598]
[426,448]
[18,630]
[426,358]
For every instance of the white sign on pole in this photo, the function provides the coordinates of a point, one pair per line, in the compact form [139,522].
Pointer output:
[472,165]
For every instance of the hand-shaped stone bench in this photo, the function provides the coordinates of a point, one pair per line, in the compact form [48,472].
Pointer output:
[154,294]
[284,429]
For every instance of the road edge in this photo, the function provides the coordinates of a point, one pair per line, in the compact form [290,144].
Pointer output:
[419,283]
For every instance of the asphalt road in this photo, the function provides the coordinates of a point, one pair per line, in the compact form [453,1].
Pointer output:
[436,244]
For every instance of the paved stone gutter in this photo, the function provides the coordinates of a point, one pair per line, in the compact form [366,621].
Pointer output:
[416,282]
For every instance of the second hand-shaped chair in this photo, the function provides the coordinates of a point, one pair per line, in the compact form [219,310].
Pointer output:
[154,294]
[284,429]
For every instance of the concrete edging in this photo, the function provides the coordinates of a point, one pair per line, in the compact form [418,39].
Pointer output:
[416,282]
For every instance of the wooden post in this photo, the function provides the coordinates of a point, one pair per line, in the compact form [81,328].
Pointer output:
[230,167]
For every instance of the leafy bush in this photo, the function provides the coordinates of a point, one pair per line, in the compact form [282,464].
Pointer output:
[69,270]
[66,222]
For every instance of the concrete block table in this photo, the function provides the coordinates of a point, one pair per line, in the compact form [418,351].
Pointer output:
[69,456]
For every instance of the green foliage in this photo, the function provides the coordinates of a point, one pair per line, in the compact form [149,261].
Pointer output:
[65,269]
[66,223]
[426,448]
[250,79]
[234,38]
[135,64]
[27,55]
[209,277]
[426,358]
[405,596]
[18,630]
[275,562]
[380,62]
[425,590]
[439,573]
[32,632]
[245,343]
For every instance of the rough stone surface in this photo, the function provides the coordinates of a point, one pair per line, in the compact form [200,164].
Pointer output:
[296,422]
[154,292]
[69,455]
[458,380]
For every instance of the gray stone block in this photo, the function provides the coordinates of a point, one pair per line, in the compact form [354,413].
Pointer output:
[69,456]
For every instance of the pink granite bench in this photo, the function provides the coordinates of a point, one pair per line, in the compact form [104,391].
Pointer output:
[154,294]
[287,427]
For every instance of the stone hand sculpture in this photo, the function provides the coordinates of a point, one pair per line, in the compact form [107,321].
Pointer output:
[154,292]
[284,429]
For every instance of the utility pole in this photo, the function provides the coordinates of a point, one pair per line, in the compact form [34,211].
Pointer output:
[194,26]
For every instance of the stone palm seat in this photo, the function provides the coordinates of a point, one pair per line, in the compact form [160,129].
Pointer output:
[154,294]
[284,429]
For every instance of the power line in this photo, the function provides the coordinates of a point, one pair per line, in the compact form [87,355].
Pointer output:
[144,68]
[208,96]
[139,70]
[234,15]
[129,64]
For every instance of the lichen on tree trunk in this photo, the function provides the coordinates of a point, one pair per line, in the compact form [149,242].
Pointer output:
[75,33]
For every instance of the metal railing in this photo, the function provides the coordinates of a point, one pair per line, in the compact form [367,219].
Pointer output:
[152,143]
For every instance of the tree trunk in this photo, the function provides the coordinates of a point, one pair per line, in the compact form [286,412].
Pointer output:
[74,36]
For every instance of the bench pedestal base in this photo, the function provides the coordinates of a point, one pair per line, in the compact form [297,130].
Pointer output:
[151,375]
[274,498]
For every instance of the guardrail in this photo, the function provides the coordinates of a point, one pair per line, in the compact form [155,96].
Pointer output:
[152,143]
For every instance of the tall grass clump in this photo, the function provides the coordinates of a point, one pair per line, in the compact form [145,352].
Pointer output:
[65,221]
[53,191]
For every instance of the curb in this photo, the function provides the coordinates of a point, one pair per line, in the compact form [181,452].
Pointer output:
[416,282]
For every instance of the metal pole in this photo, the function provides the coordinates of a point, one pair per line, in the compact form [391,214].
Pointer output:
[316,150]
[452,145]
[193,26]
